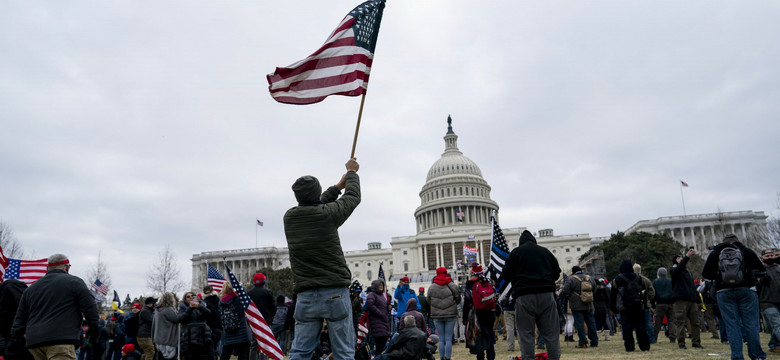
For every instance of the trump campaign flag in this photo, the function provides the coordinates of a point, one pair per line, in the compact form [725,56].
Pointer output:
[266,342]
[340,67]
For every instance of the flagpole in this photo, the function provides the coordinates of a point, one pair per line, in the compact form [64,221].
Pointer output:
[255,234]
[683,200]
[357,127]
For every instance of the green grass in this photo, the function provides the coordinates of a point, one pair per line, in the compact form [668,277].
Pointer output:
[614,349]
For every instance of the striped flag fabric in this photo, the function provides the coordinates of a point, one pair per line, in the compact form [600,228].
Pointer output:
[683,183]
[469,251]
[340,67]
[499,252]
[214,278]
[259,222]
[27,271]
[260,329]
[100,287]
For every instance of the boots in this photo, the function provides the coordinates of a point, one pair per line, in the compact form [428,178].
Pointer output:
[606,335]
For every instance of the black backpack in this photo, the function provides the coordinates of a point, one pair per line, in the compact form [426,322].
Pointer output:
[631,296]
[731,266]
[230,317]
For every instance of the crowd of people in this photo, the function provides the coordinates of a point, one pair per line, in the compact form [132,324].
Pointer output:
[330,316]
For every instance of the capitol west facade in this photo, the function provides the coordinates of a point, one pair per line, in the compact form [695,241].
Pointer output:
[455,210]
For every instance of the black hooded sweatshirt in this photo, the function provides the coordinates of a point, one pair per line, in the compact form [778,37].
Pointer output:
[682,283]
[627,270]
[530,268]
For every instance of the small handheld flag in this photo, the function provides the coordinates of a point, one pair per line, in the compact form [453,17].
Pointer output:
[214,278]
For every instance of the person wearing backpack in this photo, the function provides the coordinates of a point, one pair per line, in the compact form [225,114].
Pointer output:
[734,267]
[579,289]
[627,299]
[685,299]
[236,335]
[479,304]
[649,295]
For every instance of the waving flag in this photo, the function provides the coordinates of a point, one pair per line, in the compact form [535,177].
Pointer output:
[215,278]
[27,271]
[499,252]
[259,222]
[340,67]
[262,332]
[100,287]
[683,183]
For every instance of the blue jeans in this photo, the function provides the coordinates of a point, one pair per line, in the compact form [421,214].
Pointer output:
[446,327]
[650,332]
[772,317]
[314,306]
[580,317]
[739,308]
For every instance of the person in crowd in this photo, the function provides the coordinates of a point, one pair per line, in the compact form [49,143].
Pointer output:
[131,321]
[649,295]
[264,300]
[145,319]
[236,334]
[378,316]
[685,299]
[431,344]
[195,333]
[508,307]
[769,297]
[425,308]
[211,300]
[130,353]
[10,294]
[626,299]
[601,308]
[279,327]
[444,297]
[409,345]
[116,329]
[355,290]
[735,269]
[51,310]
[578,288]
[708,312]
[532,270]
[499,326]
[663,304]
[421,324]
[320,272]
[402,295]
[165,327]
[480,298]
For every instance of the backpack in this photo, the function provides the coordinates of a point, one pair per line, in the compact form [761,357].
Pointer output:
[630,297]
[277,325]
[484,296]
[586,289]
[731,266]
[230,317]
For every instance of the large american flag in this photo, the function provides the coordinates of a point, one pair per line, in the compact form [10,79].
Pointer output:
[27,271]
[262,332]
[499,252]
[215,278]
[100,287]
[340,67]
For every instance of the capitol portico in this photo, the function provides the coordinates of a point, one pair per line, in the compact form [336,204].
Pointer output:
[455,210]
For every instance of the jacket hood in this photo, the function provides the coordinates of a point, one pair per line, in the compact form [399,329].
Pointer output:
[375,285]
[411,304]
[626,266]
[661,272]
[526,237]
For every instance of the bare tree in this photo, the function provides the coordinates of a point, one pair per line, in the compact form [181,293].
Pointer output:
[8,242]
[165,275]
[98,271]
[773,224]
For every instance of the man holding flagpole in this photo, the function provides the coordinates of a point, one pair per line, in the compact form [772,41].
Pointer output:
[317,262]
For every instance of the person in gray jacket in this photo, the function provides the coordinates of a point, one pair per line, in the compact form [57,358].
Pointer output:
[581,310]
[50,312]
[320,272]
[663,304]
[443,297]
[165,327]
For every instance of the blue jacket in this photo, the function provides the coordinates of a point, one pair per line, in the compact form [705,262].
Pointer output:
[402,295]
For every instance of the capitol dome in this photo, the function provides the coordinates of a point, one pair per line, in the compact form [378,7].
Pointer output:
[454,194]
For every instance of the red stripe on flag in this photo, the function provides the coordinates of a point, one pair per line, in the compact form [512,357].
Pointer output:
[318,63]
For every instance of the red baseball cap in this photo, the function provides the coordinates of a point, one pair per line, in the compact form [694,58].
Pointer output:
[258,279]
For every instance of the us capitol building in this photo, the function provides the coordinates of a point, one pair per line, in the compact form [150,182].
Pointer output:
[455,209]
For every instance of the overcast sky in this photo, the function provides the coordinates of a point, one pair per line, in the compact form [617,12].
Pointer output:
[126,126]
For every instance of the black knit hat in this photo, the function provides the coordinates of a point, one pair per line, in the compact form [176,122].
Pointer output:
[674,258]
[307,189]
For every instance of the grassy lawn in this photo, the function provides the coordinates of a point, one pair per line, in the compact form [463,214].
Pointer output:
[613,349]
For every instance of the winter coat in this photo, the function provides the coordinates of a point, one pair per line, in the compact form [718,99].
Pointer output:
[600,298]
[243,334]
[750,261]
[663,288]
[409,345]
[682,283]
[316,257]
[419,319]
[572,289]
[376,306]
[145,318]
[402,295]
[264,300]
[134,355]
[769,290]
[444,300]
[51,309]
[532,269]
[10,294]
[627,270]
[425,306]
[165,327]
[212,303]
